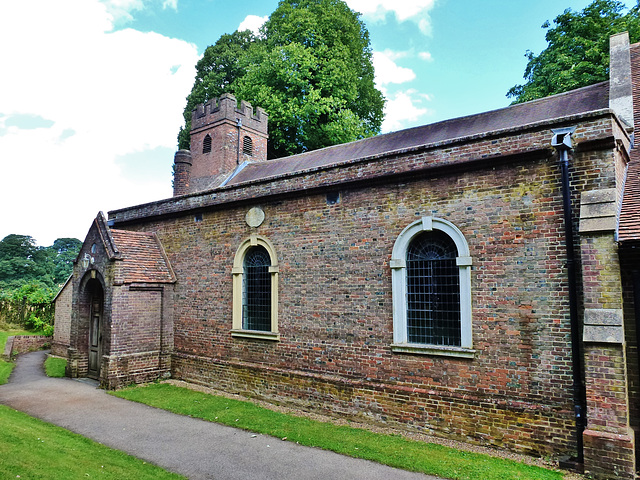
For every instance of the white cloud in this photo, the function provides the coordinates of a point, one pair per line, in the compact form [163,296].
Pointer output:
[253,23]
[402,108]
[413,10]
[172,4]
[121,10]
[387,71]
[425,56]
[101,94]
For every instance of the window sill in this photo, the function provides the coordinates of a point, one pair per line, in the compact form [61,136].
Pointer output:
[259,334]
[419,349]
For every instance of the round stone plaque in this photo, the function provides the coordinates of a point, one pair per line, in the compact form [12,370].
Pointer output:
[254,217]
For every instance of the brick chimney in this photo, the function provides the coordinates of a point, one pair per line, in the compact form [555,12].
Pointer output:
[181,172]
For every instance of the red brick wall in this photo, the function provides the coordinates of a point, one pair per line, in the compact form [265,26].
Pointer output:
[122,370]
[62,322]
[136,318]
[335,308]
[219,119]
[28,343]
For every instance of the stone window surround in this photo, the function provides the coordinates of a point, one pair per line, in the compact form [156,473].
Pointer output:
[237,273]
[399,290]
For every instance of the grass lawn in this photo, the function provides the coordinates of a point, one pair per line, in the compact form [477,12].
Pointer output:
[30,448]
[393,450]
[6,367]
[54,367]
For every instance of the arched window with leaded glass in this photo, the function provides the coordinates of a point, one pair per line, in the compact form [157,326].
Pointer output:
[433,290]
[255,290]
[431,282]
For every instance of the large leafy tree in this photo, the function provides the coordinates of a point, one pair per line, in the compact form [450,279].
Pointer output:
[63,253]
[310,69]
[23,262]
[222,64]
[577,54]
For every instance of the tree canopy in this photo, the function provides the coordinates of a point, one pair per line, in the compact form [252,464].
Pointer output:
[577,53]
[310,69]
[22,262]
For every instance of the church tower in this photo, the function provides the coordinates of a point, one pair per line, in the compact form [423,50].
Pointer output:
[223,136]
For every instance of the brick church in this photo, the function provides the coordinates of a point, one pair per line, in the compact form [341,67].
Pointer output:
[477,278]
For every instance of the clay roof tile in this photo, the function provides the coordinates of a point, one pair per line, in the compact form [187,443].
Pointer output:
[629,225]
[143,260]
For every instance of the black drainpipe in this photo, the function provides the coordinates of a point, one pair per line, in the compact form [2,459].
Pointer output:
[562,142]
[239,126]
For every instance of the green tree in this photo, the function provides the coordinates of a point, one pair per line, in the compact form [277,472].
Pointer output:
[216,71]
[577,53]
[64,251]
[311,70]
[22,261]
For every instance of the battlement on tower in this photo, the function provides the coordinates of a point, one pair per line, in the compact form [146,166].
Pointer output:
[225,108]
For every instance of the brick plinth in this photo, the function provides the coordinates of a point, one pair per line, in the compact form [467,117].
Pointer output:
[481,420]
[123,370]
[77,364]
[59,349]
[609,455]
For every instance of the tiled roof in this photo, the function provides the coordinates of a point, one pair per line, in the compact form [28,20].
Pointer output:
[142,258]
[629,227]
[575,102]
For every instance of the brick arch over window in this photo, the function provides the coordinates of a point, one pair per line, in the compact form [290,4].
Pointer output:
[255,313]
[418,285]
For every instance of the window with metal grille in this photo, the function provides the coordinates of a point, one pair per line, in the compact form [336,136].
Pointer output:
[433,290]
[206,144]
[256,298]
[247,146]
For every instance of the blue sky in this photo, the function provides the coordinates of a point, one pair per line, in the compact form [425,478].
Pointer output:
[92,91]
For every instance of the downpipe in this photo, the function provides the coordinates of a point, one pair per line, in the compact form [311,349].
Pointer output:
[561,141]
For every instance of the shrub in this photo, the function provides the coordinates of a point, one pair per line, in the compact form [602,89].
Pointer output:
[35,323]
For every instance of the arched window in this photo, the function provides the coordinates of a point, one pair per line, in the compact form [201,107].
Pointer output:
[433,290]
[247,146]
[206,144]
[255,290]
[431,277]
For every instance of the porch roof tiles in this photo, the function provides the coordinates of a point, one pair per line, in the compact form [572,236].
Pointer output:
[143,259]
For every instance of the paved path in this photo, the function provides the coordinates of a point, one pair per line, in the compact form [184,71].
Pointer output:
[191,447]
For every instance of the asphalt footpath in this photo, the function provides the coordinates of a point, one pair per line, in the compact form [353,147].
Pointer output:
[191,447]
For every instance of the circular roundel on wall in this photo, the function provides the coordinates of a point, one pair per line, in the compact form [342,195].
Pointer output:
[254,217]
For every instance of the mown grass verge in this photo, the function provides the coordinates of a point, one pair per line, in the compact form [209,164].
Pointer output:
[31,448]
[392,450]
[54,367]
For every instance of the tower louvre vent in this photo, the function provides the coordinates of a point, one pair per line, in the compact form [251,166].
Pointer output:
[247,146]
[206,144]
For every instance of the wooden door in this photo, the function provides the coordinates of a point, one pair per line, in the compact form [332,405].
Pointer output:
[95,337]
